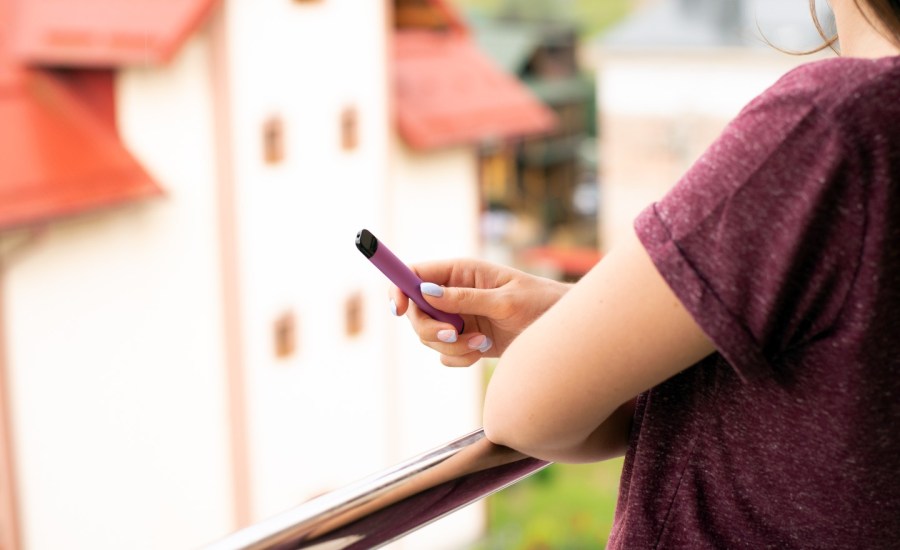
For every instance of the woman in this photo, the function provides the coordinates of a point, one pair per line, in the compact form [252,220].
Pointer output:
[744,346]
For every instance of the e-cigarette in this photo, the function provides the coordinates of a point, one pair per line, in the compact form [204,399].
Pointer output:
[402,276]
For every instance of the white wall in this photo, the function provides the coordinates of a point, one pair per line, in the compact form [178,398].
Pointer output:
[317,420]
[339,409]
[680,103]
[435,213]
[435,216]
[115,345]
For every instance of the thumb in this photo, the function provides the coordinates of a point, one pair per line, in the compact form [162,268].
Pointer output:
[488,303]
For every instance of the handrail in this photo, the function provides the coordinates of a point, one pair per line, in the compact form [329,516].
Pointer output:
[390,504]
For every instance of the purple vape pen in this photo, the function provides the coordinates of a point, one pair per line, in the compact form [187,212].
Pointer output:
[402,276]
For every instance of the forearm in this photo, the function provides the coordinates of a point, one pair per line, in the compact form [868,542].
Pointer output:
[558,389]
[608,440]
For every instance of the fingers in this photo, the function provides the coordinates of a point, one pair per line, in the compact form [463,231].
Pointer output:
[460,354]
[458,345]
[472,290]
[491,303]
[464,349]
[397,301]
[446,272]
[463,272]
[460,360]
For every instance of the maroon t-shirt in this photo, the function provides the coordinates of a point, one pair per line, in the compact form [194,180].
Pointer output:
[783,242]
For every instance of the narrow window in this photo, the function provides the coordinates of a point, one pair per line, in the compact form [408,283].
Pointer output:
[349,129]
[353,315]
[496,175]
[273,141]
[285,336]
[419,14]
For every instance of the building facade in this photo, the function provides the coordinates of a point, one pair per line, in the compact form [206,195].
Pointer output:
[202,346]
[670,78]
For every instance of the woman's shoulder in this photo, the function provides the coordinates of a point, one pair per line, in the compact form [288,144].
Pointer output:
[842,81]
[836,93]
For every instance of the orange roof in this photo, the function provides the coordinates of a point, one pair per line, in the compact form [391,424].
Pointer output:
[61,153]
[60,156]
[448,93]
[104,32]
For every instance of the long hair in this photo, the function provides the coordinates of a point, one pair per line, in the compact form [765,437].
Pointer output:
[886,11]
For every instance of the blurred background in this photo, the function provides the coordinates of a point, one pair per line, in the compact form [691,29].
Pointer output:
[189,341]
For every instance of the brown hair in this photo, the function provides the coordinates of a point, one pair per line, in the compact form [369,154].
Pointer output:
[886,11]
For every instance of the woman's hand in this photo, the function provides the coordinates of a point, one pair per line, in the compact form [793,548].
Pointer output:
[496,303]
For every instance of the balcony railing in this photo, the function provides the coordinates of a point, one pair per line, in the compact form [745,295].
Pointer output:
[392,503]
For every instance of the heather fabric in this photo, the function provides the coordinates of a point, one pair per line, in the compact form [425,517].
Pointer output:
[783,242]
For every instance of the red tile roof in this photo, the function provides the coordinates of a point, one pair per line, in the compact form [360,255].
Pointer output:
[449,93]
[60,149]
[59,156]
[106,33]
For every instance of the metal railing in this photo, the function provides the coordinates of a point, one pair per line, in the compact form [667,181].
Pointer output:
[392,503]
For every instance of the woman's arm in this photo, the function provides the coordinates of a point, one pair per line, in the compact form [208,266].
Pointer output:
[563,390]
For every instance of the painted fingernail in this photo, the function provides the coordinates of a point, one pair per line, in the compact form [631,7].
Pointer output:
[481,343]
[486,345]
[393,307]
[447,335]
[431,289]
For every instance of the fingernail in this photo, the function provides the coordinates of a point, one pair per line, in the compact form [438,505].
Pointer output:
[393,307]
[431,289]
[481,342]
[448,336]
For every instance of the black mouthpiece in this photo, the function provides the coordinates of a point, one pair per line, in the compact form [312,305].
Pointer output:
[366,243]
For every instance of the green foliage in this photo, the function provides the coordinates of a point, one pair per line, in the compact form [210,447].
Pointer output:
[593,16]
[597,16]
[562,507]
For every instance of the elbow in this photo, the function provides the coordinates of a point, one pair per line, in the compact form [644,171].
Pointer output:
[553,438]
[515,428]
[513,417]
[519,436]
[502,427]
[529,417]
[498,431]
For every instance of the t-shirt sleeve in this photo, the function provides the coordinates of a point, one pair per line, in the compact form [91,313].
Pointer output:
[761,238]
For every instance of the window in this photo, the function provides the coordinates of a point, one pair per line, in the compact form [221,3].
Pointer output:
[349,129]
[418,14]
[273,141]
[497,172]
[353,315]
[285,335]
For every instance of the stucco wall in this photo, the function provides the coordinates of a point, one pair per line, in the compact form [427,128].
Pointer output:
[116,323]
[434,213]
[113,349]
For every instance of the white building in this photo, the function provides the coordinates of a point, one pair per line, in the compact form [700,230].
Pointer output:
[670,78]
[214,350]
